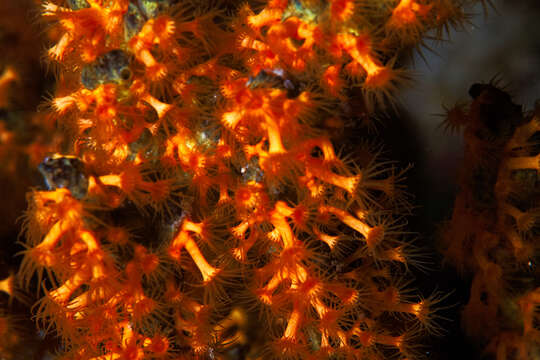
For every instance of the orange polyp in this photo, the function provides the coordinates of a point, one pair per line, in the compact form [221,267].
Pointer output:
[59,49]
[82,301]
[309,288]
[359,48]
[345,294]
[98,270]
[349,220]
[62,294]
[232,118]
[374,236]
[240,253]
[240,229]
[277,218]
[419,310]
[293,41]
[274,137]
[158,191]
[390,297]
[197,228]
[524,162]
[183,146]
[54,235]
[348,183]
[355,46]
[62,104]
[326,147]
[245,196]
[285,232]
[284,209]
[310,182]
[90,241]
[322,311]
[139,305]
[300,216]
[395,341]
[164,28]
[160,107]
[293,324]
[265,294]
[299,275]
[330,240]
[370,66]
[112,180]
[184,240]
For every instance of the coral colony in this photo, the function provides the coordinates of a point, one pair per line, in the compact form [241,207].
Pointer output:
[197,203]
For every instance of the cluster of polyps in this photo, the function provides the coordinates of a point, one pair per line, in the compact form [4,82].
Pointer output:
[217,121]
[493,233]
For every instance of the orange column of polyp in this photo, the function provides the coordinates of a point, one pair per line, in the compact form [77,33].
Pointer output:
[266,293]
[326,147]
[348,220]
[112,180]
[160,107]
[277,218]
[94,252]
[274,136]
[330,328]
[360,53]
[294,322]
[322,311]
[241,251]
[318,170]
[413,308]
[396,341]
[184,240]
[330,240]
[63,293]
[55,233]
[223,190]
[524,162]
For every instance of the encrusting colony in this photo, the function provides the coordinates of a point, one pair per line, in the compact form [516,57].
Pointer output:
[212,122]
